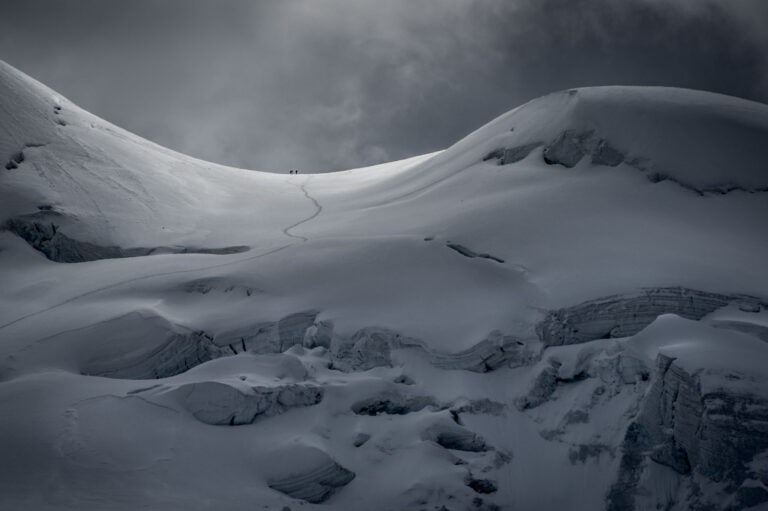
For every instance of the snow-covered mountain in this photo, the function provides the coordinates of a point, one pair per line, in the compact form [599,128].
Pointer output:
[567,309]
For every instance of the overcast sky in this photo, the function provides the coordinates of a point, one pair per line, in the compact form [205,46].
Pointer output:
[330,84]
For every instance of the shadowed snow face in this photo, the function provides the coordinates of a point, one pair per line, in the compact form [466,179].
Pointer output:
[330,84]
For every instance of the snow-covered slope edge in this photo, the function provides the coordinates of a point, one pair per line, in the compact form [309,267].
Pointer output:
[575,292]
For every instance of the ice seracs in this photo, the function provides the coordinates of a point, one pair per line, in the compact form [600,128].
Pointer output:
[576,292]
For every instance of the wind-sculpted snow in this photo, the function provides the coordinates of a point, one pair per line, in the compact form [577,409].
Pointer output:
[179,352]
[759,331]
[222,404]
[435,333]
[174,355]
[624,315]
[307,473]
[368,348]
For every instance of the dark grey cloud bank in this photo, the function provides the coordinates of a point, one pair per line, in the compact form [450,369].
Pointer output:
[331,84]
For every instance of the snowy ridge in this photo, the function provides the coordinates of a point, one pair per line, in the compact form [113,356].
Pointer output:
[576,292]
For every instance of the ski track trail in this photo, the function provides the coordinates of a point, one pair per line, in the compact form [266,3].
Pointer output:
[318,210]
[286,231]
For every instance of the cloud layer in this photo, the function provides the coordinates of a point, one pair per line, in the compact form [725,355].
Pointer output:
[329,84]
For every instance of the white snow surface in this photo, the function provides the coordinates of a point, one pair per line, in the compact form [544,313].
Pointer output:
[363,248]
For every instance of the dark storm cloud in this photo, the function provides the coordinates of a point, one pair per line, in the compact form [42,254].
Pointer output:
[328,84]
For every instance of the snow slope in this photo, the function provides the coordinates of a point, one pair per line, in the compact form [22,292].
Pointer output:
[472,328]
